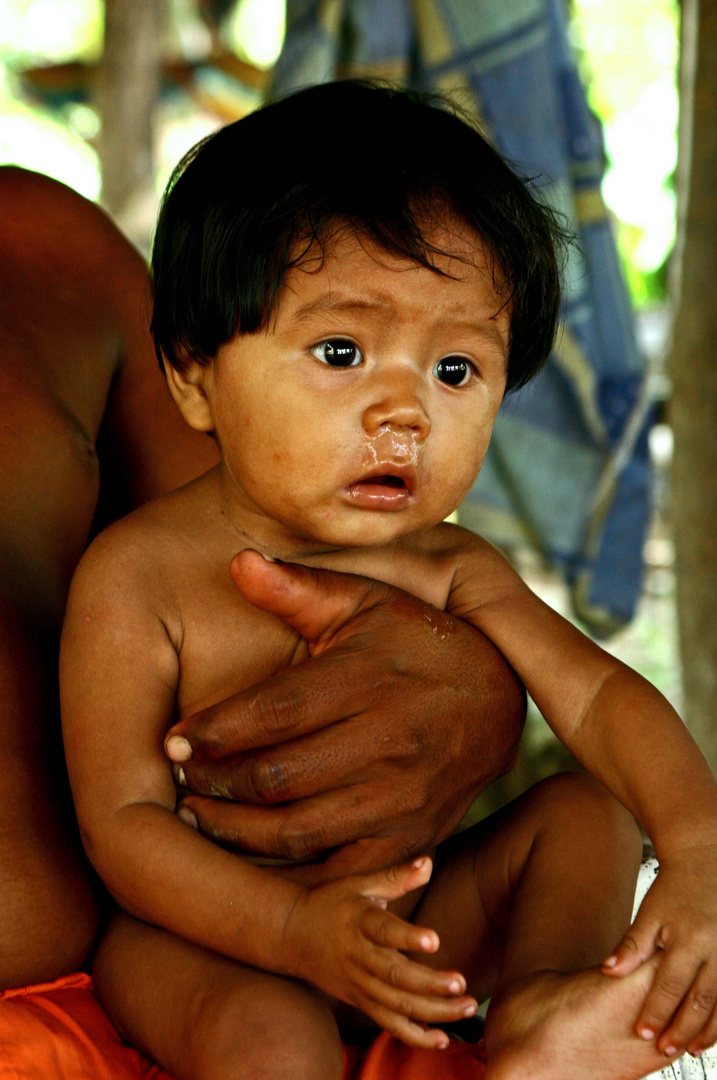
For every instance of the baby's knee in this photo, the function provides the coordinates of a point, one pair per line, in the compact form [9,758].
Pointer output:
[577,802]
[295,1038]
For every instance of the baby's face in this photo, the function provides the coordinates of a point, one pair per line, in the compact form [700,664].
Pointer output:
[364,412]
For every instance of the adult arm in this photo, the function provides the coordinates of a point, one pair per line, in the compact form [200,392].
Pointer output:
[372,750]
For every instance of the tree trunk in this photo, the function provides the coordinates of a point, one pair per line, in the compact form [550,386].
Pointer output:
[128,83]
[693,408]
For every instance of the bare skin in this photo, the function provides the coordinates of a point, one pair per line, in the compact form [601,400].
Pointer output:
[503,897]
[75,367]
[352,467]
[81,387]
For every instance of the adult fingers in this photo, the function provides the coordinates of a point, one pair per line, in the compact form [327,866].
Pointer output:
[293,702]
[295,831]
[695,1023]
[315,602]
[357,858]
[293,770]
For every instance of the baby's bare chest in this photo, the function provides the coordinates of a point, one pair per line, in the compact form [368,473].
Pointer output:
[227,645]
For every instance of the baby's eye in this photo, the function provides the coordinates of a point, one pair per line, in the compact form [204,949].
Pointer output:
[338,353]
[453,370]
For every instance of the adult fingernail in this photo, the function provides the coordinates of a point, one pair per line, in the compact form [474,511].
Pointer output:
[646,1034]
[188,817]
[178,748]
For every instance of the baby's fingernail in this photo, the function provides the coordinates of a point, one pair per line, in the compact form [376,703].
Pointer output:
[426,941]
[443,1044]
[469,1009]
[265,557]
[178,748]
[455,986]
[646,1034]
[670,1051]
[188,816]
[610,962]
[180,775]
[418,863]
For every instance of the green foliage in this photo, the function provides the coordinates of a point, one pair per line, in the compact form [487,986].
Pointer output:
[628,52]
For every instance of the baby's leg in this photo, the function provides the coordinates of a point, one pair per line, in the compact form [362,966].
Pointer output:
[527,906]
[204,1017]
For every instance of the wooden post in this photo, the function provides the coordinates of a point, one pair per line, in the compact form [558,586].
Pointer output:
[693,407]
[128,83]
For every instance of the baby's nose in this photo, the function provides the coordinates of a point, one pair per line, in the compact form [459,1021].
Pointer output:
[399,413]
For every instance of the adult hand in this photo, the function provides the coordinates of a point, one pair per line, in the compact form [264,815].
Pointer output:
[373,749]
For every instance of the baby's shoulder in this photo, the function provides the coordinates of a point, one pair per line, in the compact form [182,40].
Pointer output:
[426,563]
[137,559]
[448,546]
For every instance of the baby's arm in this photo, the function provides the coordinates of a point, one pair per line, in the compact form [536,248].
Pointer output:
[119,675]
[623,730]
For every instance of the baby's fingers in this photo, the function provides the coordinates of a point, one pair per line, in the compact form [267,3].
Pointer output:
[396,881]
[422,1008]
[384,928]
[404,974]
[695,1025]
[406,1030]
[673,979]
[637,946]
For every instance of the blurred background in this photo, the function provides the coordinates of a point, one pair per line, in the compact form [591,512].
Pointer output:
[107,95]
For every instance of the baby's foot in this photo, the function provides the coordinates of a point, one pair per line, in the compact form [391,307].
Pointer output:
[571,1027]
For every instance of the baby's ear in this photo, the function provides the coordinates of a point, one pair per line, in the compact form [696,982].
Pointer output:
[188,388]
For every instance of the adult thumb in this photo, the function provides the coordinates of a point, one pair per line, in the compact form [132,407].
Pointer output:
[317,603]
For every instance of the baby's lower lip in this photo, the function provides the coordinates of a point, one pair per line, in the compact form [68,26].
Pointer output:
[370,495]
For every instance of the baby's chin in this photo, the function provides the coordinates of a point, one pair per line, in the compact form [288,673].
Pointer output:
[374,528]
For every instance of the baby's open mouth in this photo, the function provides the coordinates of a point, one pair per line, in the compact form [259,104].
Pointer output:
[385,480]
[382,491]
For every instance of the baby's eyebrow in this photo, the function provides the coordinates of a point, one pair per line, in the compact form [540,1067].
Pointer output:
[346,305]
[342,304]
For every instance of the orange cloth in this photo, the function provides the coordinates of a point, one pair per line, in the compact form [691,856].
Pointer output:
[59,1031]
[389,1059]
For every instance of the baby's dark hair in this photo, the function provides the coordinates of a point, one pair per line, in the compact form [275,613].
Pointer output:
[259,196]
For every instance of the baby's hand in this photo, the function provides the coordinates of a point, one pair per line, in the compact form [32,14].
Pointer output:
[341,938]
[679,917]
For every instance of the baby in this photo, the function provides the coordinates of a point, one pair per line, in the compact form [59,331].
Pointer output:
[347,283]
